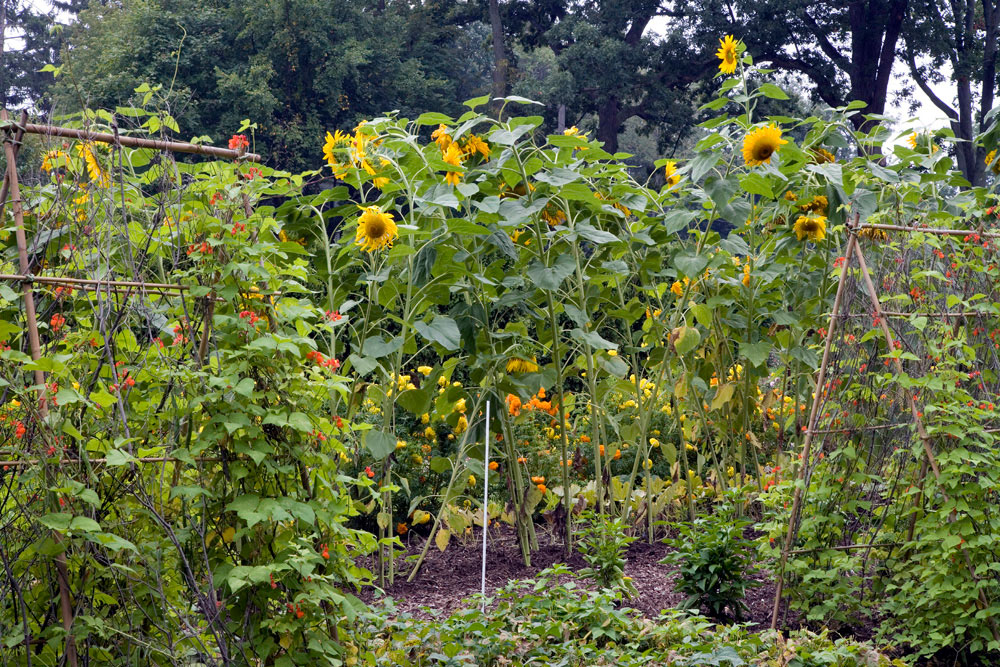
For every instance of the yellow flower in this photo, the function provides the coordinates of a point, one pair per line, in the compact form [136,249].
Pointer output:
[338,138]
[472,480]
[572,131]
[425,370]
[462,426]
[670,172]
[401,444]
[380,182]
[678,287]
[811,226]
[790,196]
[817,204]
[442,137]
[94,170]
[459,405]
[760,144]
[454,157]
[992,162]
[912,140]
[612,353]
[727,54]
[442,381]
[653,442]
[746,275]
[50,156]
[476,145]
[518,365]
[429,432]
[821,155]
[376,229]
[425,418]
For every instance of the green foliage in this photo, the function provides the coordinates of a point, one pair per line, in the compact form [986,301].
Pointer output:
[714,562]
[552,619]
[603,545]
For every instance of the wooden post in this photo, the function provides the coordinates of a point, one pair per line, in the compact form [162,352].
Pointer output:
[852,244]
[31,318]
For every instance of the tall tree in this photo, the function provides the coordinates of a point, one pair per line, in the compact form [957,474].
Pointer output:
[621,69]
[960,36]
[846,49]
[295,67]
[30,40]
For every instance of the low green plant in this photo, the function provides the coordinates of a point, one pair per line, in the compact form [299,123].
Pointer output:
[714,561]
[603,543]
[552,620]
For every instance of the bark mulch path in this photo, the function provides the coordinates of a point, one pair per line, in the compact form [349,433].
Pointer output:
[447,578]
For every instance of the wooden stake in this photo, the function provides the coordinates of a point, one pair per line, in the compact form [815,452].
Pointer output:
[811,428]
[13,188]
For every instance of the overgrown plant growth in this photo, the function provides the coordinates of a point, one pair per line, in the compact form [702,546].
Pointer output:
[271,379]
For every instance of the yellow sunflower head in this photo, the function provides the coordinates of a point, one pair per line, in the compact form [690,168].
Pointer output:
[811,226]
[727,54]
[670,171]
[376,229]
[821,155]
[817,204]
[992,162]
[519,365]
[760,144]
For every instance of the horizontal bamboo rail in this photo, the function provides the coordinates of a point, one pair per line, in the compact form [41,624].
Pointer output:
[927,230]
[138,142]
[18,463]
[57,280]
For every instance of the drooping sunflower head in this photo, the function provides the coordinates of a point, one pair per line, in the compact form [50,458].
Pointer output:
[821,155]
[811,226]
[992,162]
[376,229]
[874,234]
[817,204]
[727,54]
[760,144]
[670,171]
[519,365]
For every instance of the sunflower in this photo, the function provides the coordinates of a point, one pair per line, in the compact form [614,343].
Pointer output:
[670,172]
[821,155]
[376,229]
[817,204]
[474,144]
[811,226]
[874,234]
[727,52]
[56,155]
[94,170]
[453,156]
[442,137]
[761,144]
[992,163]
[519,365]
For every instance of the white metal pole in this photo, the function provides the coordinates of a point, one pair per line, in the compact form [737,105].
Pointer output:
[486,494]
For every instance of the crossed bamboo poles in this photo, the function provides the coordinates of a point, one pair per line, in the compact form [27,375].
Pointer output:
[854,250]
[13,133]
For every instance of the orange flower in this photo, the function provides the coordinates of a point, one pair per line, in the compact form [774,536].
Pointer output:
[618,454]
[542,488]
[522,459]
[584,438]
[538,479]
[601,449]
[513,405]
[494,465]
[401,528]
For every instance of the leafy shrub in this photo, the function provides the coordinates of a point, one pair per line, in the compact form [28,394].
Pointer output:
[714,561]
[603,543]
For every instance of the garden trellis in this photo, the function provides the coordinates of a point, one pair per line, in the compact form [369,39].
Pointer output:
[892,387]
[112,295]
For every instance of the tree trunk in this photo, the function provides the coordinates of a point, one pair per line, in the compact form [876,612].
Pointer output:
[3,66]
[499,54]
[607,124]
[875,30]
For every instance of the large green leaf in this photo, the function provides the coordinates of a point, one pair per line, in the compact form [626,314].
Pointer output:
[379,443]
[443,331]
